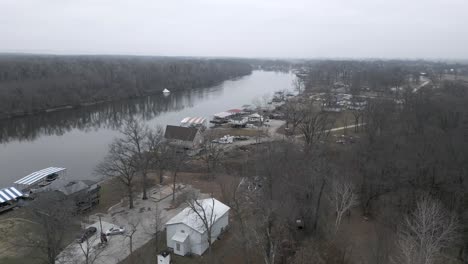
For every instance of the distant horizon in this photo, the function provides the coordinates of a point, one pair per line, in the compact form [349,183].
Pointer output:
[52,53]
[295,29]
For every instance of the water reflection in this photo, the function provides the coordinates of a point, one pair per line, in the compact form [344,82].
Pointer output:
[78,139]
[107,115]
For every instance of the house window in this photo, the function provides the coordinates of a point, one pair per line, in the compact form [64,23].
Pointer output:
[177,246]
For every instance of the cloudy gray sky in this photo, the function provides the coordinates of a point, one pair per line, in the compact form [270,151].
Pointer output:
[246,28]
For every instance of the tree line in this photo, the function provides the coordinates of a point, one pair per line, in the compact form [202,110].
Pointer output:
[30,83]
[299,199]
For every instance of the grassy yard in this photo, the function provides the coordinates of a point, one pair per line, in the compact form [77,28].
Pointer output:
[225,250]
[248,132]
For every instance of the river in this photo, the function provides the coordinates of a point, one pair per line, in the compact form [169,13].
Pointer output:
[77,139]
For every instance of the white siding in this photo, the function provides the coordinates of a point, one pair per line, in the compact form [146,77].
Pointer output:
[194,237]
[198,242]
[220,223]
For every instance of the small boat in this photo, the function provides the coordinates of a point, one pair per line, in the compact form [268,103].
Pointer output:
[51,177]
[166,91]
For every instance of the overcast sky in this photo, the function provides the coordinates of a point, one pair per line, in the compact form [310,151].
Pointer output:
[240,28]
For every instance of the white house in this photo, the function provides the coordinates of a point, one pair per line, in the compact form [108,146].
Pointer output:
[187,232]
[255,117]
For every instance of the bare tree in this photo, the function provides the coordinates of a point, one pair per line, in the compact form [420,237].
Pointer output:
[315,127]
[233,192]
[426,232]
[120,163]
[155,227]
[157,151]
[51,217]
[205,211]
[212,153]
[136,140]
[294,114]
[268,232]
[176,158]
[91,249]
[298,85]
[308,253]
[343,197]
[133,226]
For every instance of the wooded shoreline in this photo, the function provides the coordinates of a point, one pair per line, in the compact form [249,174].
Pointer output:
[32,84]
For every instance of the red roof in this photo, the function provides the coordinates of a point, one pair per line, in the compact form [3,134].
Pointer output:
[235,111]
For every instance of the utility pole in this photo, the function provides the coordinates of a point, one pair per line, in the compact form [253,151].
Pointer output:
[100,223]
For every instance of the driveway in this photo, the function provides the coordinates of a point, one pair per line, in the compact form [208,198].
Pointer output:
[141,221]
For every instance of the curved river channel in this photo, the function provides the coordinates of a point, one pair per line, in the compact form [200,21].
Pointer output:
[77,139]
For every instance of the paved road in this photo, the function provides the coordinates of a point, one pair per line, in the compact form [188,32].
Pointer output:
[344,127]
[273,135]
[425,82]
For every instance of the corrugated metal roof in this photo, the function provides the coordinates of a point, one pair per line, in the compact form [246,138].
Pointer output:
[223,115]
[213,209]
[193,120]
[234,111]
[8,194]
[38,175]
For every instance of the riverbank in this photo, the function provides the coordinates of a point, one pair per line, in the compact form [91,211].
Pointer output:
[78,139]
[35,84]
[57,108]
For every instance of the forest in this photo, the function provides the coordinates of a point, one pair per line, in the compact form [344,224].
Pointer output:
[382,183]
[391,189]
[32,83]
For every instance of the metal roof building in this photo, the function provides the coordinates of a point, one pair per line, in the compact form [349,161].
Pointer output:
[223,115]
[38,176]
[8,194]
[193,121]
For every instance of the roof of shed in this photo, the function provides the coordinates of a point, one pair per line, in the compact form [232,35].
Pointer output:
[180,133]
[213,209]
[180,237]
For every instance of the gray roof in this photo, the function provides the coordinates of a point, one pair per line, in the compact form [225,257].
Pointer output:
[76,186]
[180,133]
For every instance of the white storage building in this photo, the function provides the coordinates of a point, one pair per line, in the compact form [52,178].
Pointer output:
[186,232]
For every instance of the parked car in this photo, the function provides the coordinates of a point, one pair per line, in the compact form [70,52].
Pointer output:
[89,232]
[115,231]
[51,177]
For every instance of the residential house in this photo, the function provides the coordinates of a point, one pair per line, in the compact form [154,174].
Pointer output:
[85,194]
[238,121]
[255,118]
[222,117]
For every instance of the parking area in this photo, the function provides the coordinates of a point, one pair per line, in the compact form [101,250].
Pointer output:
[140,224]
